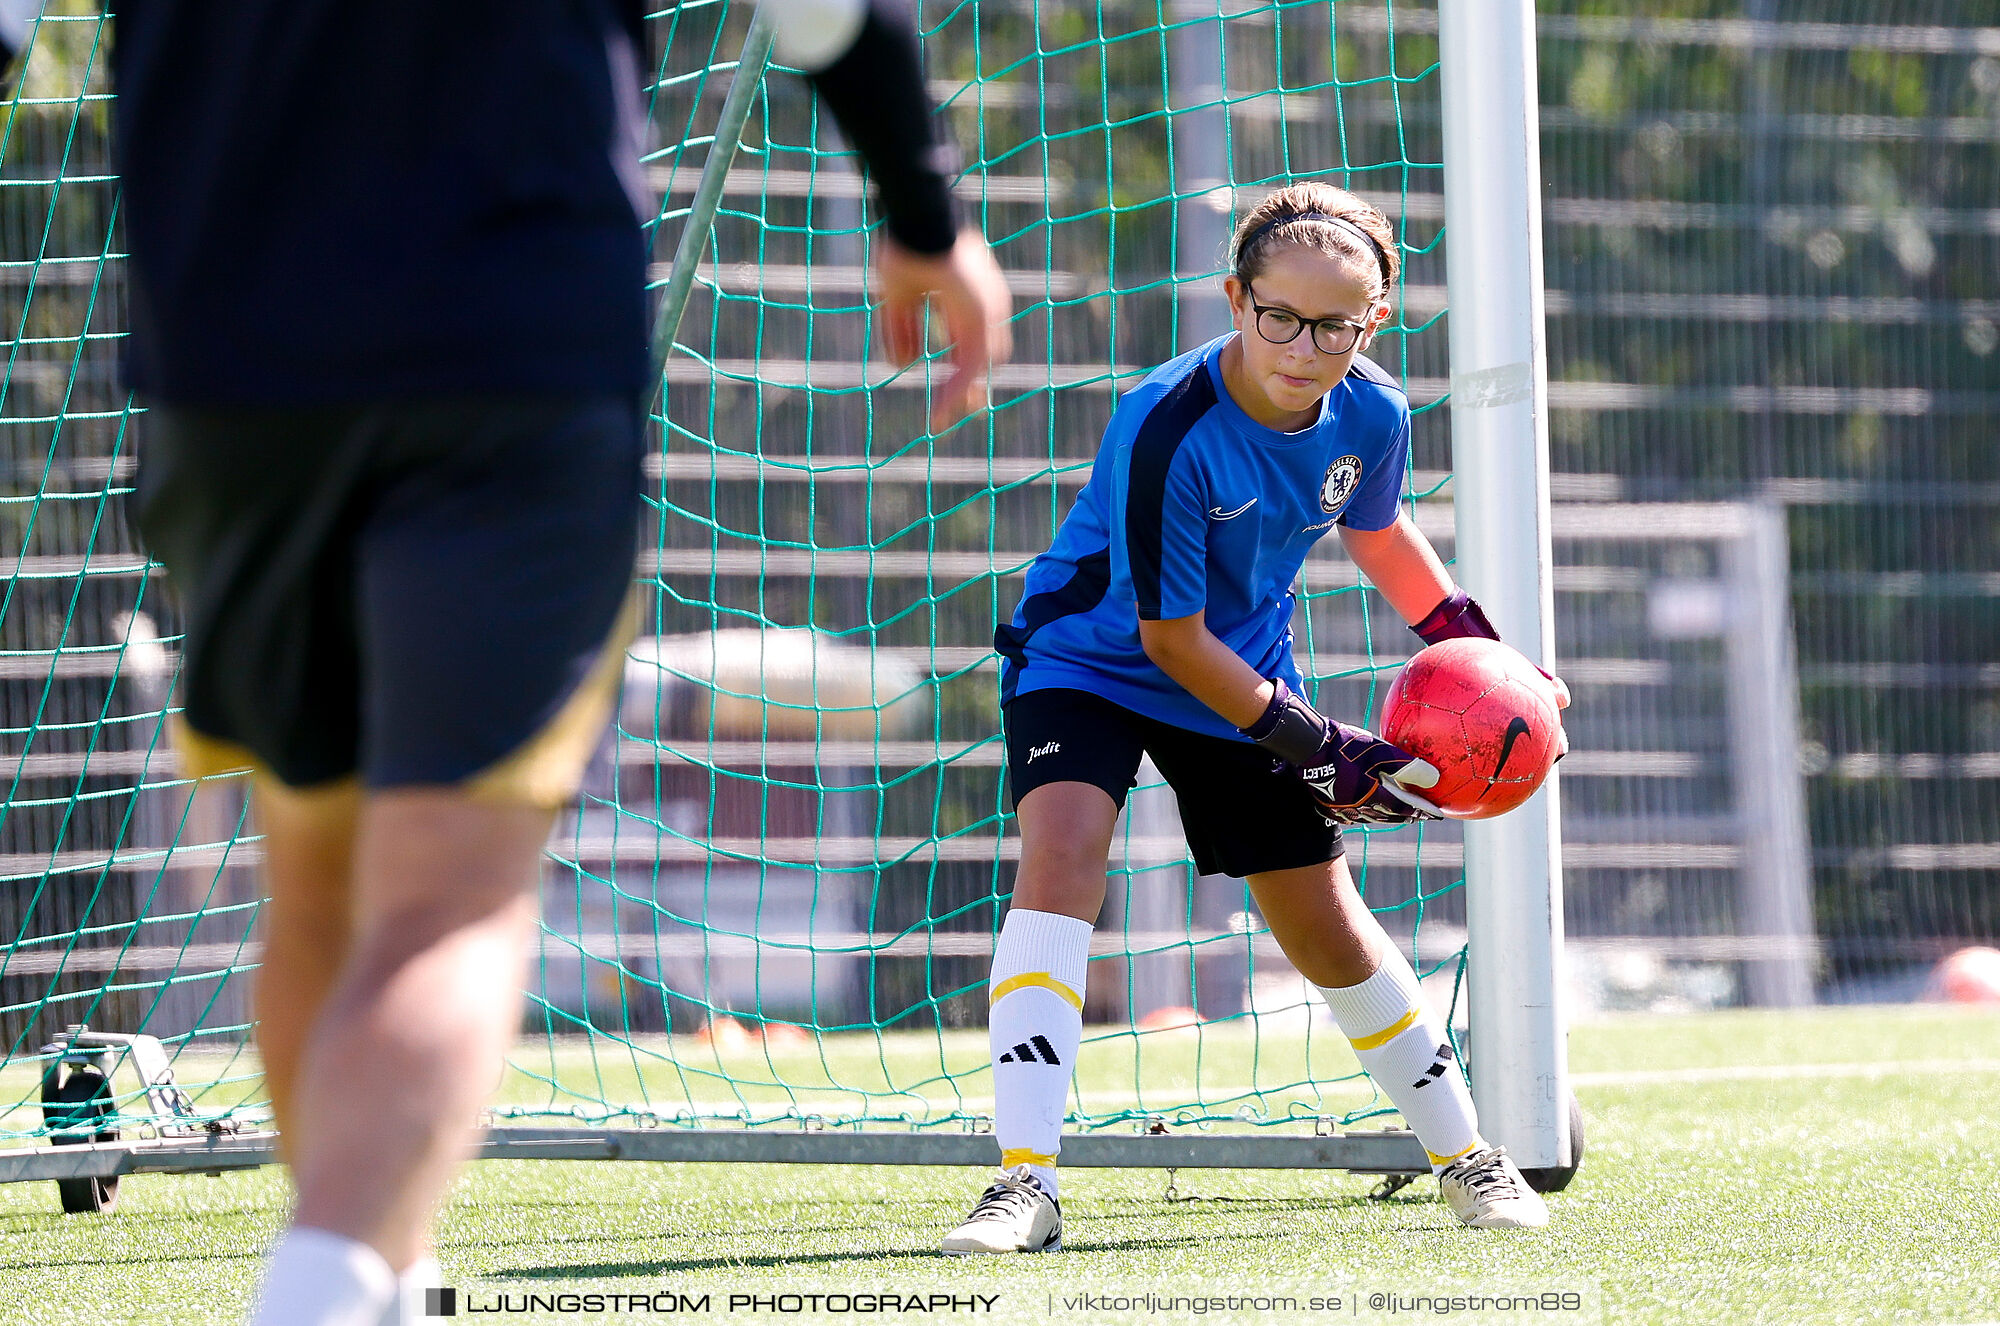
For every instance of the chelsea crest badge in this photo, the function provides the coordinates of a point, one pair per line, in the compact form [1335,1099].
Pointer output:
[1342,478]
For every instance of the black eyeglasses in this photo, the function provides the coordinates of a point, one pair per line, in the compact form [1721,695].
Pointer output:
[1281,326]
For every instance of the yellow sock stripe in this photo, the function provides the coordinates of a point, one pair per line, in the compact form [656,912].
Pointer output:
[1037,978]
[1021,1155]
[1442,1161]
[1395,1029]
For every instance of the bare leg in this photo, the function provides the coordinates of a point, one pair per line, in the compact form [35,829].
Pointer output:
[1065,844]
[1317,917]
[308,873]
[413,1035]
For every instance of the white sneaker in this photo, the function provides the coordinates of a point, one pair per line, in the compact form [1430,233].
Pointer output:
[1485,1190]
[1016,1214]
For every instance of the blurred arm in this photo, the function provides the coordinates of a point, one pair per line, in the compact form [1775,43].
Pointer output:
[17,24]
[863,60]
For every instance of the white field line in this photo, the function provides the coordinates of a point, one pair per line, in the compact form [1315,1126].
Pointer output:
[1779,1072]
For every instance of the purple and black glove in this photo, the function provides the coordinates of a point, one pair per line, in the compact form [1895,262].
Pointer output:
[1347,769]
[1460,616]
[1355,779]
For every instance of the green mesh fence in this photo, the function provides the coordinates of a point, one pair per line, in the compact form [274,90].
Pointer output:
[125,901]
[777,897]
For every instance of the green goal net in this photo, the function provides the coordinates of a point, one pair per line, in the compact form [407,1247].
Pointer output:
[774,906]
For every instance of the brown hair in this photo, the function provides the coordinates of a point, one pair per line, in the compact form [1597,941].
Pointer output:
[1321,217]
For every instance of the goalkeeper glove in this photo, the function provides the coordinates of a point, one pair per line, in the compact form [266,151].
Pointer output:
[1459,616]
[1354,776]
[1456,618]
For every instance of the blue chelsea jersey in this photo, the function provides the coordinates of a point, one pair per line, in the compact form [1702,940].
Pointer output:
[1193,506]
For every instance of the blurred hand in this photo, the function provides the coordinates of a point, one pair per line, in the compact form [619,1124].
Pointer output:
[965,285]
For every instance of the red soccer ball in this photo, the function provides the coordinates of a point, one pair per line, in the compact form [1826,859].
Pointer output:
[1484,716]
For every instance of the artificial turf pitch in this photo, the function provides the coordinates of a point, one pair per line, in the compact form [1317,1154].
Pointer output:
[1827,1166]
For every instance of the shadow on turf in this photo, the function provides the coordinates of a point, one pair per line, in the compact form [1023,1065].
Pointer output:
[29,1222]
[177,1254]
[923,1255]
[872,1261]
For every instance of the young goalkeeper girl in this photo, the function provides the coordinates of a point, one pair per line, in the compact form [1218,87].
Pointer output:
[1160,623]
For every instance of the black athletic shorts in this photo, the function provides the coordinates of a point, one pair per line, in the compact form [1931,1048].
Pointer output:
[1244,812]
[418,593]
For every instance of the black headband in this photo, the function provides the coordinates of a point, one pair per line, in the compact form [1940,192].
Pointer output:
[1381,256]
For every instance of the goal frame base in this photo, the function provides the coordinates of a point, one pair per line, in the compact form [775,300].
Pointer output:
[1387,1151]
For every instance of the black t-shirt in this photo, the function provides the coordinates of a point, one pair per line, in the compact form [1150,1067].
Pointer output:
[342,200]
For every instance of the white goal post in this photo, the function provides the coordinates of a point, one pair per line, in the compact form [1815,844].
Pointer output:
[1500,457]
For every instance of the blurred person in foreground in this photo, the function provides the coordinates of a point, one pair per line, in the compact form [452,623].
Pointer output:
[389,325]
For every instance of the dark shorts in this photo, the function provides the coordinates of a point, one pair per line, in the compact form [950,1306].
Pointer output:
[420,593]
[1243,811]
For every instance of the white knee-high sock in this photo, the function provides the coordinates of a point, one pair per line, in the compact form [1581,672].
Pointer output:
[407,1307]
[1034,1027]
[1403,1045]
[317,1278]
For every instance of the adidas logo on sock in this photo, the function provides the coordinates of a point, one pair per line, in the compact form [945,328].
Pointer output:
[1438,1065]
[1024,1053]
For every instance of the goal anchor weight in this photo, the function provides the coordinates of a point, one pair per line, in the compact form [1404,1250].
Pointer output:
[79,1106]
[76,1102]
[1554,1178]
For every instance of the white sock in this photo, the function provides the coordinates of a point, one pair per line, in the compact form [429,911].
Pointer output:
[317,1278]
[1034,1027]
[406,1308]
[1403,1046]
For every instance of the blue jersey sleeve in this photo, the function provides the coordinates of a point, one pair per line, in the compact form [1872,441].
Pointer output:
[1159,535]
[1373,505]
[1164,539]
